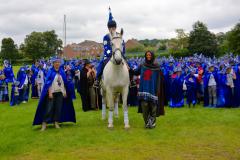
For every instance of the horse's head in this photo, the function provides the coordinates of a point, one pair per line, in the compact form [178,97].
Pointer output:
[117,48]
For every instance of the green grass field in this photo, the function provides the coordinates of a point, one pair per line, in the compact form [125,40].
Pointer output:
[182,134]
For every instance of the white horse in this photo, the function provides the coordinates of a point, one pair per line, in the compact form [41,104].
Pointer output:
[116,79]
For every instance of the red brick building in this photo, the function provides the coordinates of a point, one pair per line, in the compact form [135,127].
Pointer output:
[84,49]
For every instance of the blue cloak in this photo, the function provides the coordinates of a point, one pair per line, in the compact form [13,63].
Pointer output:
[14,99]
[68,112]
[221,89]
[8,72]
[33,77]
[191,83]
[237,89]
[21,75]
[176,90]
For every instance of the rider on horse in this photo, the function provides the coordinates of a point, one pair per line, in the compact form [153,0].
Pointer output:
[112,25]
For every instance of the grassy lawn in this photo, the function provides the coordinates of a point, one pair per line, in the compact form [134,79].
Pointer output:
[182,134]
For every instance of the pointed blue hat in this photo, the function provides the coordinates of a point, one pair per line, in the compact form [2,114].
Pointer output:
[111,22]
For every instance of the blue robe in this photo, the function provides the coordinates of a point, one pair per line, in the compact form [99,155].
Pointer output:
[68,112]
[33,77]
[221,89]
[69,75]
[191,83]
[237,89]
[14,99]
[167,72]
[8,72]
[21,75]
[176,91]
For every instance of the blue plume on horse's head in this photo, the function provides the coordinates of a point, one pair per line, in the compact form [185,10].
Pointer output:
[111,22]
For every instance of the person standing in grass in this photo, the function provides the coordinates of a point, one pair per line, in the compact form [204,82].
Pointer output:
[8,71]
[176,88]
[210,87]
[55,104]
[151,90]
[3,88]
[24,80]
[191,83]
[15,94]
[230,77]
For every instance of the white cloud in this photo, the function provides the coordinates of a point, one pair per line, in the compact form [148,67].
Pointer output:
[87,19]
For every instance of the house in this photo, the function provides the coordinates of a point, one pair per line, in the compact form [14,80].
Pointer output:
[84,49]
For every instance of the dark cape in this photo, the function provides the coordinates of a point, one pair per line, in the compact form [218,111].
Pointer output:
[68,112]
[84,90]
[33,78]
[159,85]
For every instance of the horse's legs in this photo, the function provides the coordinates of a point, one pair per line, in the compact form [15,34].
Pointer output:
[125,109]
[110,103]
[116,99]
[103,107]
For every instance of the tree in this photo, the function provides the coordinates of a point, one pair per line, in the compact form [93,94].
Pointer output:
[233,38]
[201,40]
[182,38]
[41,44]
[9,49]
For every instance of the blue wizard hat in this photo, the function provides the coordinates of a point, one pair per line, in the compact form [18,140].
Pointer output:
[111,22]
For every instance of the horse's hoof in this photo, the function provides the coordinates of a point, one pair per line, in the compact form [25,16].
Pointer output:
[110,126]
[127,126]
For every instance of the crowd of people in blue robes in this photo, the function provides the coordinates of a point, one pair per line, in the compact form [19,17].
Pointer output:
[213,82]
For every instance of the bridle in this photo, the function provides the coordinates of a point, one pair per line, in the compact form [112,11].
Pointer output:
[115,50]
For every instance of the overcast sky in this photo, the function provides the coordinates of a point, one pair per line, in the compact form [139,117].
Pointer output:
[87,19]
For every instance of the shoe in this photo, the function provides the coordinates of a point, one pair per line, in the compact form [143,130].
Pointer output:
[153,126]
[149,123]
[44,126]
[24,102]
[57,125]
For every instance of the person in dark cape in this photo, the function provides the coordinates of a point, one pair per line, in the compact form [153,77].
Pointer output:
[151,90]
[85,83]
[55,104]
